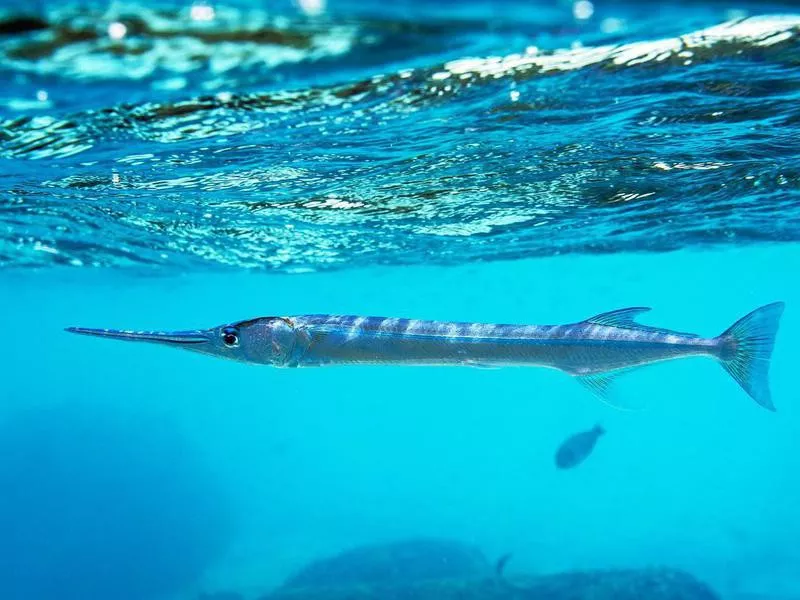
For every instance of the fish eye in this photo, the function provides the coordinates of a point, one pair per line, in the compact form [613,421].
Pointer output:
[230,337]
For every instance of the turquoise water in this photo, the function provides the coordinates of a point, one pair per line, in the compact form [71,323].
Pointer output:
[574,183]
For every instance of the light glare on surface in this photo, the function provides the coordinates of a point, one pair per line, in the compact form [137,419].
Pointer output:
[612,25]
[117,30]
[42,96]
[312,8]
[583,9]
[202,12]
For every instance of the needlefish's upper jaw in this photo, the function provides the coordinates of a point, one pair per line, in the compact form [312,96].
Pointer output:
[170,338]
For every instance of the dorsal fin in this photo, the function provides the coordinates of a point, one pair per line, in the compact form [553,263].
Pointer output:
[623,317]
[626,319]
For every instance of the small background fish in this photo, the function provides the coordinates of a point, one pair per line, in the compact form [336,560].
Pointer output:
[576,448]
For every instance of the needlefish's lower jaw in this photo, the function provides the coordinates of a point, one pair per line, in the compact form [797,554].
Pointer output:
[170,338]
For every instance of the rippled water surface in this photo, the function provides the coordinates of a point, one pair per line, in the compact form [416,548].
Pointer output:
[266,137]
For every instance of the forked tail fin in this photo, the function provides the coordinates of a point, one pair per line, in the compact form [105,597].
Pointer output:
[747,348]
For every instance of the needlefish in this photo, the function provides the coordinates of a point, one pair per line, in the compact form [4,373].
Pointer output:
[594,350]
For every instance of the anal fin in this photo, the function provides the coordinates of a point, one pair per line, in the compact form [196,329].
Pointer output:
[602,385]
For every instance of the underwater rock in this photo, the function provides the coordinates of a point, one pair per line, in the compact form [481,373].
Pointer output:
[446,570]
[221,596]
[103,503]
[623,584]
[393,564]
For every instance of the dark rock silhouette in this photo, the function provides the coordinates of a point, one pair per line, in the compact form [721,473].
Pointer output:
[448,570]
[102,502]
[394,564]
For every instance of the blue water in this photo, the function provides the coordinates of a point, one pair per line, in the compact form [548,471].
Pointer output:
[376,159]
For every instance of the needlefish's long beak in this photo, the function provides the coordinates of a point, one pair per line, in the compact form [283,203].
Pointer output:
[170,338]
